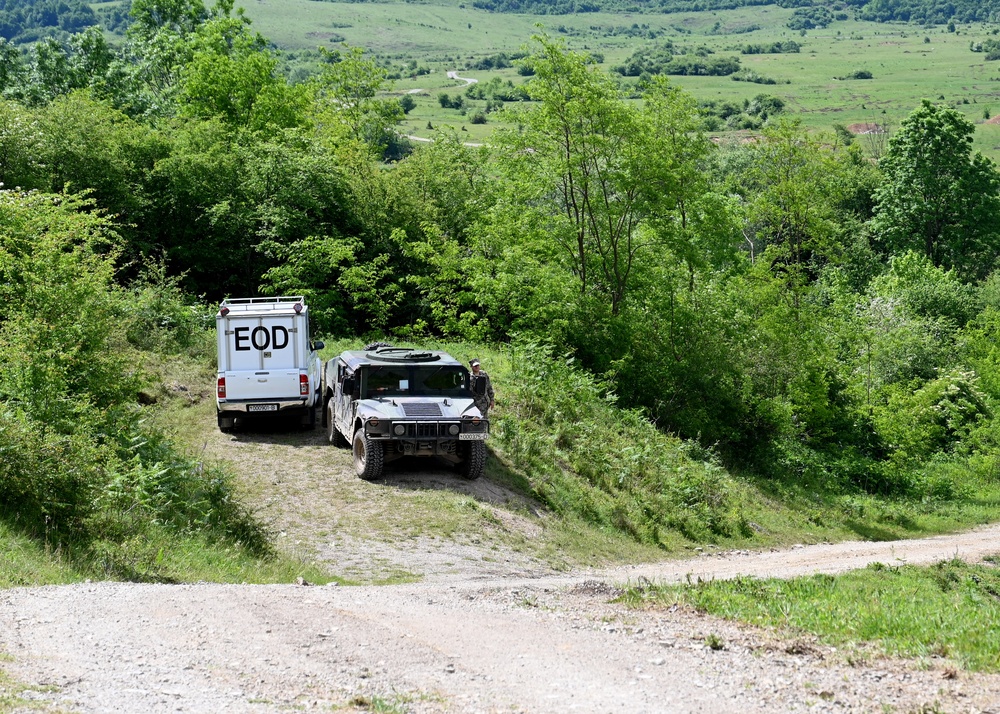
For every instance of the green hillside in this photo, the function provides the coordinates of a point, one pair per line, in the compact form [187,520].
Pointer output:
[421,43]
[719,314]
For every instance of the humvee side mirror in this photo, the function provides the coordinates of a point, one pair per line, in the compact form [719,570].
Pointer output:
[318,345]
[349,385]
[479,387]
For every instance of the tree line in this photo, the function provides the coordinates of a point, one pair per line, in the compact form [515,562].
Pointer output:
[811,13]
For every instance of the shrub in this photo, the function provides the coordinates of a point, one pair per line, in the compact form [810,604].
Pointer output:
[80,467]
[608,466]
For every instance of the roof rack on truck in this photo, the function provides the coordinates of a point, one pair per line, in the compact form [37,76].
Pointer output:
[262,304]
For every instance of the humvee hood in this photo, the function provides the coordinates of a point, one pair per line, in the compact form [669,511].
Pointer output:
[418,408]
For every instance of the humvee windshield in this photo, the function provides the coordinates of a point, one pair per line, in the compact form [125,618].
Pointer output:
[412,381]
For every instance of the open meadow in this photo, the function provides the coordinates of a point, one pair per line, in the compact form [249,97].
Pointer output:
[907,63]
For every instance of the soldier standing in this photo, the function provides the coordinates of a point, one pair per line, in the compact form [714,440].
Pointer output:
[482,388]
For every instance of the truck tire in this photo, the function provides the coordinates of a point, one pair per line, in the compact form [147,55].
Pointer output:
[309,418]
[368,456]
[473,460]
[332,432]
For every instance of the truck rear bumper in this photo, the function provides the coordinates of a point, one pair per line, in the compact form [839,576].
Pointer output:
[261,407]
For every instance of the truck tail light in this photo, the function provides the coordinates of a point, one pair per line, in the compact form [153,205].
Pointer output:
[220,388]
[303,384]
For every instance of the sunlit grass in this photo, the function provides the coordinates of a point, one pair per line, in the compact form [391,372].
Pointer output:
[24,561]
[950,610]
[908,62]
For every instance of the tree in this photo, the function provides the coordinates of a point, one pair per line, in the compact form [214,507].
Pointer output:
[177,16]
[689,218]
[142,80]
[88,147]
[610,175]
[938,197]
[12,67]
[348,107]
[787,194]
[91,58]
[232,75]
[21,165]
[49,72]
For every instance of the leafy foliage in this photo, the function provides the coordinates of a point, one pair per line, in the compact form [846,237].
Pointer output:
[938,196]
[606,465]
[81,469]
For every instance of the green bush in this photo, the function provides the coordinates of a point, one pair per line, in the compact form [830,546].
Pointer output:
[80,468]
[586,457]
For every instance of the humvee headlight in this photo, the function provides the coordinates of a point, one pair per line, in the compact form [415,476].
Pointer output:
[475,421]
[373,423]
[454,429]
[399,429]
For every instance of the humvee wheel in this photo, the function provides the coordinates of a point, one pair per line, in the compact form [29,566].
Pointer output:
[332,432]
[368,456]
[473,460]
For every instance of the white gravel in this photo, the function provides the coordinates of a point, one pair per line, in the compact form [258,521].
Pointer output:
[115,647]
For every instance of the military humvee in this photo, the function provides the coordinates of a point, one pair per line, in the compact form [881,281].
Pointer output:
[388,402]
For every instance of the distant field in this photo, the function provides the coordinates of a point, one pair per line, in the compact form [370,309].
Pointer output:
[908,63]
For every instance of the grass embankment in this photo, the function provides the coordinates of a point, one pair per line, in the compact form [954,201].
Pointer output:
[950,610]
[561,437]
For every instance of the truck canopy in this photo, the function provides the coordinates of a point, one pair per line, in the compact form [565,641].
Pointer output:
[263,346]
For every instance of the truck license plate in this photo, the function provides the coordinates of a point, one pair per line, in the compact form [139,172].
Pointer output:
[262,407]
[472,437]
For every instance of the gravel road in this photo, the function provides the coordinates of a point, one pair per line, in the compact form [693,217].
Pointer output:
[482,632]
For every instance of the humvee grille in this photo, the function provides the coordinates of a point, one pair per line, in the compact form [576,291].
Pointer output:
[425,409]
[425,431]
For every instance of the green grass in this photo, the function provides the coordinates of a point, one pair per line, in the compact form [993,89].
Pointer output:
[908,63]
[950,610]
[159,556]
[24,561]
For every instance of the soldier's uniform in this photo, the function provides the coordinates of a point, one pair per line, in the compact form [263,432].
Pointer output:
[482,401]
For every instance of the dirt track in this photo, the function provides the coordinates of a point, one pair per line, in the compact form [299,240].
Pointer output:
[488,628]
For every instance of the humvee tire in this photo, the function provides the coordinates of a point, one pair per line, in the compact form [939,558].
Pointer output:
[473,460]
[368,456]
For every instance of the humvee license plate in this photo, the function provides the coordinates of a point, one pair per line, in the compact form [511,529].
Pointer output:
[262,407]
[472,437]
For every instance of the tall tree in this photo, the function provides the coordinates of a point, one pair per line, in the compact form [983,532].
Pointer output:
[232,75]
[938,197]
[612,176]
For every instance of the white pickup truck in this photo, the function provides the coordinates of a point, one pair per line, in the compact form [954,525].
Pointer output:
[267,362]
